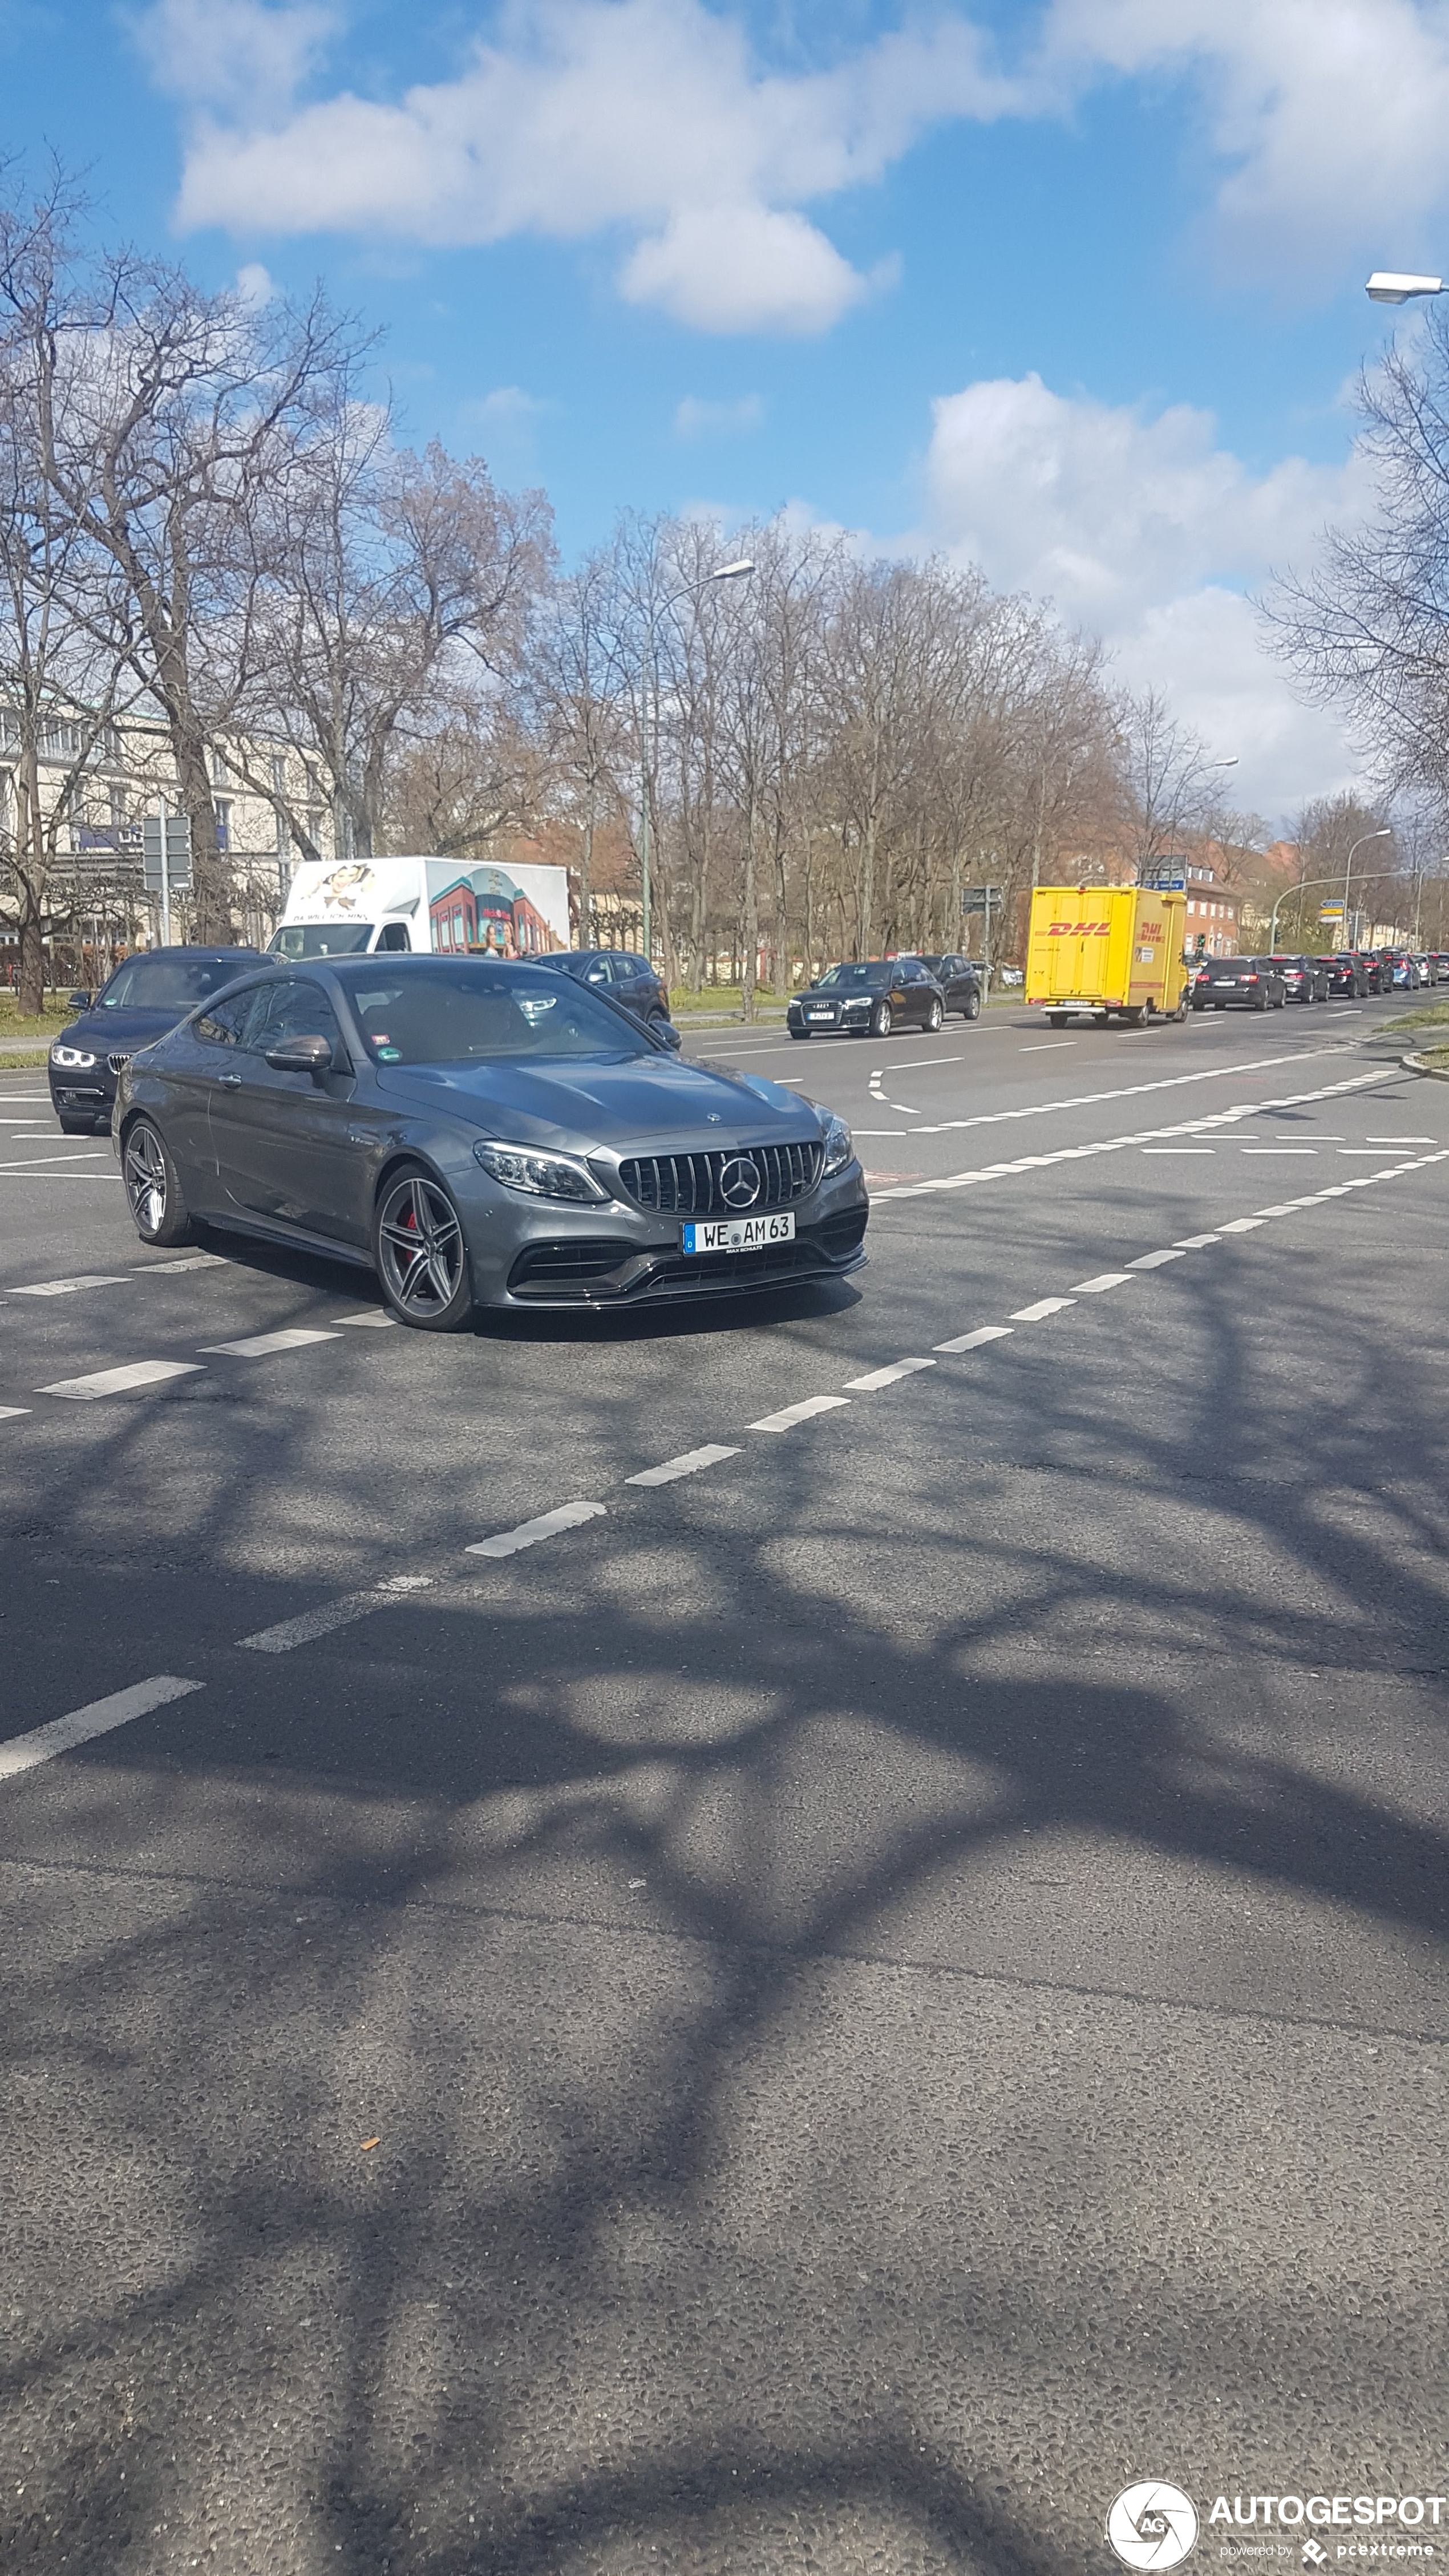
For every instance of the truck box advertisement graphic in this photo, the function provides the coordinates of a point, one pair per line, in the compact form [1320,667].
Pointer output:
[455,906]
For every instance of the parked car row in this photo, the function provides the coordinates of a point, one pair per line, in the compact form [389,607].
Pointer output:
[1266,983]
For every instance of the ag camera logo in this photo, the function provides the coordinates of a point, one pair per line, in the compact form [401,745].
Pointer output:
[1152,2525]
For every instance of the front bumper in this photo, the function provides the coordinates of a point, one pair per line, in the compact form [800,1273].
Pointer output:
[548,1253]
[83,1092]
[852,1015]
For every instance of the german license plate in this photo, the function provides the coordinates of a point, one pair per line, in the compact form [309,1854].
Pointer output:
[739,1233]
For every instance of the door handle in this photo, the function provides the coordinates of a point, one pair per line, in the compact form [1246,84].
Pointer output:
[231,1080]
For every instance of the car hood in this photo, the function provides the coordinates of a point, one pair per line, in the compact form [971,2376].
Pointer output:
[121,1031]
[651,1102]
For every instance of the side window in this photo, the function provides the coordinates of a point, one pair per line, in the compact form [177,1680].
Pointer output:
[226,1024]
[640,966]
[600,970]
[294,1008]
[394,935]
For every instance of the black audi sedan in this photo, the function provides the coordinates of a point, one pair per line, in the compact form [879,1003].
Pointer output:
[868,998]
[482,1134]
[1346,978]
[960,983]
[1237,983]
[136,1005]
[626,979]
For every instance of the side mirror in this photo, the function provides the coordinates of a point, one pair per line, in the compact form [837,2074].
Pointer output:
[301,1055]
[80,1001]
[671,1036]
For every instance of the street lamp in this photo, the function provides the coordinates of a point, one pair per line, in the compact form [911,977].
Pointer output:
[1384,833]
[1290,894]
[722,572]
[1386,286]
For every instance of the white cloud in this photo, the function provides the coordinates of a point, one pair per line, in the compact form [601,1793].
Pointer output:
[1330,113]
[254,285]
[509,407]
[743,268]
[586,115]
[241,58]
[695,418]
[1148,532]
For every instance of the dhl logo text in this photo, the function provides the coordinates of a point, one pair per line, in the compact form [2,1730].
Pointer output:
[1079,930]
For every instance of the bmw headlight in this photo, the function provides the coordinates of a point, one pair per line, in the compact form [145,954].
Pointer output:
[540,1176]
[839,1146]
[74,1059]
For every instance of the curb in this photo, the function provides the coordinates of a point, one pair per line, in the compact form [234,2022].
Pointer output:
[1430,1072]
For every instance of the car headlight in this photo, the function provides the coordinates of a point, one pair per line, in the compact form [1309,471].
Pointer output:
[74,1059]
[540,1176]
[839,1146]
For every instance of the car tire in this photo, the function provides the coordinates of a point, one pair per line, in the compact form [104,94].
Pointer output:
[934,1016]
[971,1007]
[1056,1019]
[420,1252]
[882,1020]
[153,1186]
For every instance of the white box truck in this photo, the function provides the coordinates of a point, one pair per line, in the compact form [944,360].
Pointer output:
[351,907]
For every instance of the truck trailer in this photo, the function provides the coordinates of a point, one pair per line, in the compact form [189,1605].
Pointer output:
[1112,951]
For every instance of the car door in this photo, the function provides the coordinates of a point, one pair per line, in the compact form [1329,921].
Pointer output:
[628,986]
[201,1056]
[281,1139]
[920,991]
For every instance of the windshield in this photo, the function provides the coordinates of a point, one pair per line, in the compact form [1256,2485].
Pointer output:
[859,975]
[467,1014]
[167,983]
[323,939]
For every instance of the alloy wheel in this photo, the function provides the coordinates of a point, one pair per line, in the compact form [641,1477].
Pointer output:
[146,1179]
[420,1243]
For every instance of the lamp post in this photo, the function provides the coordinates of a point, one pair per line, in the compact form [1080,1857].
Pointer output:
[1387,286]
[722,572]
[1291,894]
[1384,833]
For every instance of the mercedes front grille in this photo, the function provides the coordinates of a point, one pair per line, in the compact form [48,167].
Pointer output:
[688,1184]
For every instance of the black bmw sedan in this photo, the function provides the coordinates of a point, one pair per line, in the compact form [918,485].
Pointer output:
[138,1003]
[868,998]
[482,1134]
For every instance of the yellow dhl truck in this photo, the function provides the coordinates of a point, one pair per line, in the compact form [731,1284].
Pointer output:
[1115,951]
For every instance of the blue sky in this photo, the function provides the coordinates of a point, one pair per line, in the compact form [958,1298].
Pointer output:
[1072,289]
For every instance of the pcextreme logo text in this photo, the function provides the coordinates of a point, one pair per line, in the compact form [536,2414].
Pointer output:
[1156,2525]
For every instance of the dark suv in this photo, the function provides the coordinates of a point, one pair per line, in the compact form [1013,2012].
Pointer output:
[1237,983]
[868,997]
[1305,979]
[960,984]
[1345,974]
[627,979]
[144,998]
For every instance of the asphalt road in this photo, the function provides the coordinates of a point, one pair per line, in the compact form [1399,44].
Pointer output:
[834,2009]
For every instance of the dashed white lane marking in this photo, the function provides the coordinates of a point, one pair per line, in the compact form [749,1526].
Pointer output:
[371,1315]
[1155,1260]
[1240,1225]
[1044,1046]
[1104,1279]
[44,1162]
[260,1346]
[528,1533]
[12,1412]
[974,1341]
[886,1376]
[790,1414]
[189,1261]
[334,1614]
[1278,1149]
[1136,1090]
[689,1464]
[1147,1136]
[1038,1313]
[69,1287]
[908,1063]
[1194,1242]
[1378,1151]
[122,1381]
[1179,1149]
[99,1717]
